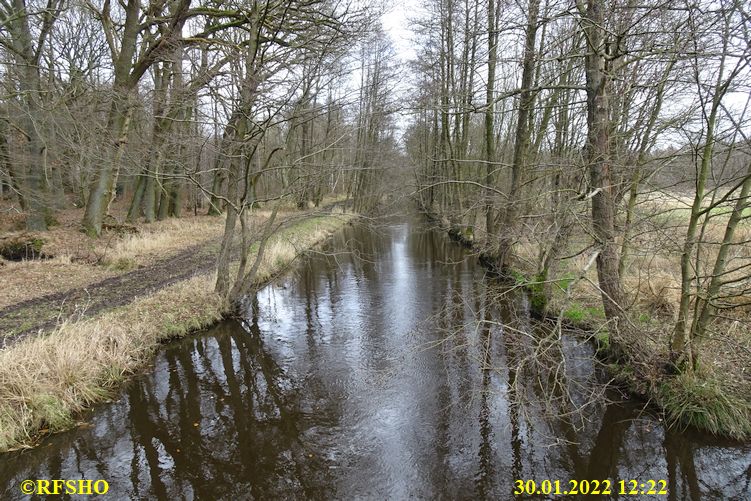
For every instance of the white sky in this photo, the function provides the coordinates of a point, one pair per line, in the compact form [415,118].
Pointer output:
[396,23]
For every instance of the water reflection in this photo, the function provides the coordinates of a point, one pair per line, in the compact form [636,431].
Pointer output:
[392,375]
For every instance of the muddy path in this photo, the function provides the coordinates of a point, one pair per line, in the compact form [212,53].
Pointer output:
[44,312]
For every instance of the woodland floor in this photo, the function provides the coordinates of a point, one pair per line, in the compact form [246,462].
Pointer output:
[86,276]
[43,312]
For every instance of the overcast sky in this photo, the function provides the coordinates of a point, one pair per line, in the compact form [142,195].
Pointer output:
[396,23]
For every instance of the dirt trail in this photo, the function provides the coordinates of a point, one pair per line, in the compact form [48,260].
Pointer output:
[42,313]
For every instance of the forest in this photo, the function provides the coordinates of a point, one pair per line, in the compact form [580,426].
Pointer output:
[593,154]
[607,135]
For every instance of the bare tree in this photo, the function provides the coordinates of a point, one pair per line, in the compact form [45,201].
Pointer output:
[26,47]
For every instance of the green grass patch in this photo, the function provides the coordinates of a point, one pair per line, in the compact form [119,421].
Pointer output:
[520,279]
[680,215]
[535,286]
[622,373]
[537,294]
[56,414]
[25,325]
[595,312]
[574,313]
[565,281]
[578,313]
[691,400]
[602,339]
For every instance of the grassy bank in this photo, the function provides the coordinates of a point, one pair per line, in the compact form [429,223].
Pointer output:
[77,260]
[717,396]
[46,380]
[714,398]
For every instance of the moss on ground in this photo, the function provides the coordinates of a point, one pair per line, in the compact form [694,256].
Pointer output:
[22,247]
[699,399]
[580,314]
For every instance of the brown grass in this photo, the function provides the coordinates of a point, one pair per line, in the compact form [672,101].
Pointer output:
[162,239]
[651,280]
[29,279]
[46,381]
[286,245]
[79,260]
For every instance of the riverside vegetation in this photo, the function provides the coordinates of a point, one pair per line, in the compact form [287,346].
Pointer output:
[608,172]
[47,378]
[596,154]
[714,397]
[119,121]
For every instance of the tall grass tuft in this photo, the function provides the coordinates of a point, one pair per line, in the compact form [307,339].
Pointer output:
[161,239]
[691,400]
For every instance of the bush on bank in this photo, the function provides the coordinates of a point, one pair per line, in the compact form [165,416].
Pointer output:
[703,399]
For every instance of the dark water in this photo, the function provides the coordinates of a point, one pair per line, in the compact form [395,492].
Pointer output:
[391,371]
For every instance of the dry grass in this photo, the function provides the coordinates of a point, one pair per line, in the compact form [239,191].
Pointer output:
[717,397]
[30,279]
[161,239]
[703,401]
[289,243]
[79,260]
[654,284]
[651,276]
[46,381]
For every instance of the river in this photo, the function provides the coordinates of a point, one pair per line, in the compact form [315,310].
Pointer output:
[386,367]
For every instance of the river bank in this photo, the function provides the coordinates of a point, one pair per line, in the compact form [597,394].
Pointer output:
[382,367]
[49,373]
[716,398]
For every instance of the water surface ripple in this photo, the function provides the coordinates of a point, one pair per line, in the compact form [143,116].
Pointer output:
[365,375]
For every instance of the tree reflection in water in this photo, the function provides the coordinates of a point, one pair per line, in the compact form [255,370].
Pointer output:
[339,387]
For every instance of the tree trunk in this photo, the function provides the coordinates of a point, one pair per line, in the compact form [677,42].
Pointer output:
[102,189]
[680,343]
[216,203]
[598,155]
[118,121]
[135,209]
[708,309]
[34,186]
[489,138]
[521,141]
[14,177]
